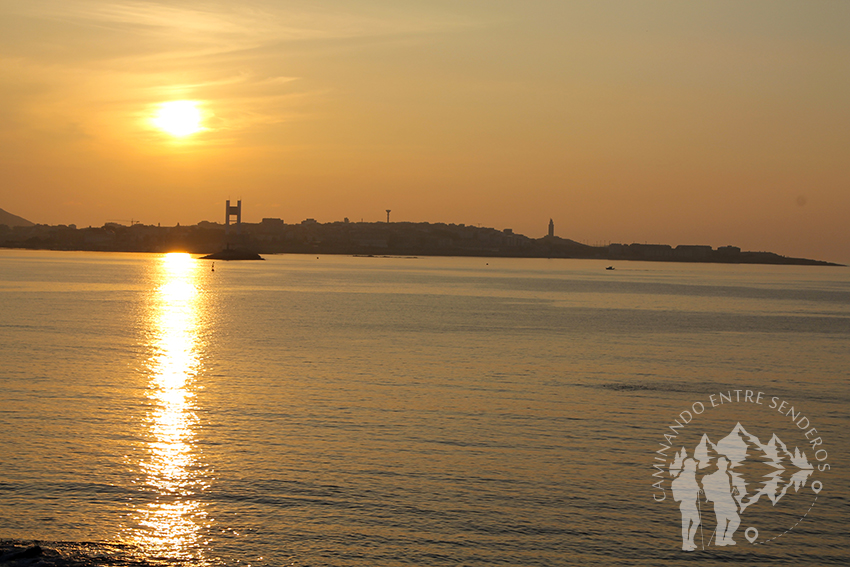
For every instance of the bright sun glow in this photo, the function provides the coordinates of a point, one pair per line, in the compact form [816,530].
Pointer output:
[179,118]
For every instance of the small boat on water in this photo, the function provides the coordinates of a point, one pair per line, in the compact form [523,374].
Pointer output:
[610,268]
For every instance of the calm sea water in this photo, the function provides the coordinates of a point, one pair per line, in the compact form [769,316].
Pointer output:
[353,411]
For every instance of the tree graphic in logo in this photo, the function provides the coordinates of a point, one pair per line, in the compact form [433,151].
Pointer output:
[732,475]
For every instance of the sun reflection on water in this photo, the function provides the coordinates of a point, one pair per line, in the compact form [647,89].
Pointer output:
[171,520]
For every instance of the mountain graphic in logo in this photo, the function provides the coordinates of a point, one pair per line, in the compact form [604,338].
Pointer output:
[756,469]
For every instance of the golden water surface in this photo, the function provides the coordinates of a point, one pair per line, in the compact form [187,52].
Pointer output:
[171,521]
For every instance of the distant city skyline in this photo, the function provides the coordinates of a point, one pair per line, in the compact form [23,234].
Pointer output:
[710,123]
[234,240]
[654,250]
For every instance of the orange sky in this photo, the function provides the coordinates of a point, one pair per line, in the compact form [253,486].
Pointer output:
[703,122]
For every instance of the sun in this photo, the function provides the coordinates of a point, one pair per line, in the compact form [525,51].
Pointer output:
[178,118]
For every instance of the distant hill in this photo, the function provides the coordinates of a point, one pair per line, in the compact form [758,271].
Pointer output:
[13,220]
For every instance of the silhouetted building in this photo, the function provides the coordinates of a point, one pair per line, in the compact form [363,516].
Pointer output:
[617,250]
[551,228]
[651,251]
[689,252]
[231,211]
[269,227]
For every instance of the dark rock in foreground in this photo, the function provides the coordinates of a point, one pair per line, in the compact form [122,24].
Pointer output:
[233,254]
[21,553]
[18,553]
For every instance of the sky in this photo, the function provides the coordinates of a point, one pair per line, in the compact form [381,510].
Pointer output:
[698,122]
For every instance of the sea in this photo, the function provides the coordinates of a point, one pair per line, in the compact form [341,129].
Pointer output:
[161,409]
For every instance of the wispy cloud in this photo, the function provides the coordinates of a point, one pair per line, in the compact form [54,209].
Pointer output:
[220,27]
[131,54]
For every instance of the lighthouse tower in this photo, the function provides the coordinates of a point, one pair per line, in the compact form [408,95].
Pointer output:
[551,228]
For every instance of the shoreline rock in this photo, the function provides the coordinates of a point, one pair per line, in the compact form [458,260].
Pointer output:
[233,254]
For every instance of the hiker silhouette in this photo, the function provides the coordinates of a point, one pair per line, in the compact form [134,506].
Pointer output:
[686,490]
[718,489]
